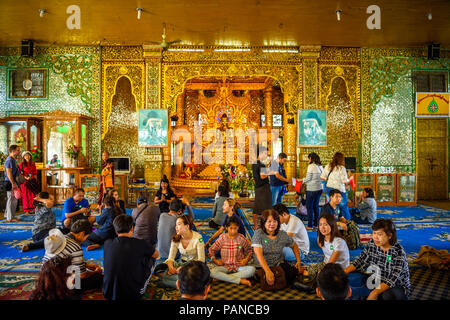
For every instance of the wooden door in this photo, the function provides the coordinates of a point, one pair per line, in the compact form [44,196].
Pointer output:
[432,162]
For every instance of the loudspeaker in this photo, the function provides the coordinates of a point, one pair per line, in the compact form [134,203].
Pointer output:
[27,48]
[434,51]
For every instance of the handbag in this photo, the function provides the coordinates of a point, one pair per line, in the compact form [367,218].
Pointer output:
[279,279]
[17,193]
[351,235]
[33,185]
[301,209]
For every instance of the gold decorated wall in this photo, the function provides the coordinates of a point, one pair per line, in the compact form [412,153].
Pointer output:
[332,83]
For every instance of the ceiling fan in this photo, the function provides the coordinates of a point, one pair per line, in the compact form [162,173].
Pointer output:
[165,44]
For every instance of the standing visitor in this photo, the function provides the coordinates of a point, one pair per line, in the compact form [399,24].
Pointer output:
[314,190]
[105,157]
[263,195]
[336,177]
[31,185]
[278,180]
[11,173]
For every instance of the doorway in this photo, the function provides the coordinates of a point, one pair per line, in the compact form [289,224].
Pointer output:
[432,162]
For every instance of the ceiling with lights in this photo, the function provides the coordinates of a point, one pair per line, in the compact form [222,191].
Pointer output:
[400,23]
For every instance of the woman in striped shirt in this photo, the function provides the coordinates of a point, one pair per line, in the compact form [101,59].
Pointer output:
[235,252]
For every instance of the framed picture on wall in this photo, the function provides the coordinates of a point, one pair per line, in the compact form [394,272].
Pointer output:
[153,126]
[312,128]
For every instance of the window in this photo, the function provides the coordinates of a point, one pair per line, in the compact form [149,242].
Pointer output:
[430,81]
[27,84]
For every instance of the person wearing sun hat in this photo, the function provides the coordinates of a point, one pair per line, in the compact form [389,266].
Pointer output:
[59,245]
[30,188]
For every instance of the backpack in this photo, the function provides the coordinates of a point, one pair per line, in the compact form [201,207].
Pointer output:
[351,236]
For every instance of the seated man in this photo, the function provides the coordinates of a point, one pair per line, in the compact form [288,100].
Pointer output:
[333,208]
[295,228]
[76,208]
[194,281]
[166,229]
[58,245]
[128,262]
[146,219]
[333,283]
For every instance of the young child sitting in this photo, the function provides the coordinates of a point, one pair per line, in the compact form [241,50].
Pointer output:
[235,251]
[230,208]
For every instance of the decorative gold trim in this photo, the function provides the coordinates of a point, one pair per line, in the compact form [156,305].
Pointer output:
[111,73]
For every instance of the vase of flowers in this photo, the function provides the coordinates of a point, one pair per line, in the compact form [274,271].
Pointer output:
[72,152]
[240,178]
[36,153]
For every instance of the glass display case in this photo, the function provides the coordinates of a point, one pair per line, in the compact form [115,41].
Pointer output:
[91,185]
[385,189]
[407,189]
[64,134]
[24,131]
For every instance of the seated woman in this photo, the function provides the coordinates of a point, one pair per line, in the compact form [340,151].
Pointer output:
[235,252]
[384,255]
[218,216]
[118,202]
[367,208]
[164,195]
[190,245]
[105,220]
[227,187]
[268,242]
[55,282]
[230,208]
[334,247]
[44,221]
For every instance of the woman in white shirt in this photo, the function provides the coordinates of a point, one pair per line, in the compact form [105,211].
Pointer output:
[190,245]
[336,177]
[314,189]
[334,248]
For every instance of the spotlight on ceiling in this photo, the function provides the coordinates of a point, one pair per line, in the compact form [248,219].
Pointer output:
[139,10]
[42,12]
[430,16]
[338,14]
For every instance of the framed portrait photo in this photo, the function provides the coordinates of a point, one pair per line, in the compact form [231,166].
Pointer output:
[312,128]
[153,128]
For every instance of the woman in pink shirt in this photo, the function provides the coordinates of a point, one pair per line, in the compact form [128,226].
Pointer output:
[235,252]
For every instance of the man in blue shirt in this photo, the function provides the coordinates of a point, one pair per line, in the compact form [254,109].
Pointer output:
[76,208]
[11,173]
[278,178]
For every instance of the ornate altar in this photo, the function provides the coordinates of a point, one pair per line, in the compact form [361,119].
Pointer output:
[228,104]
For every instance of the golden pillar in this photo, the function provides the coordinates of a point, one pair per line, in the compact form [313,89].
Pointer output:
[153,60]
[310,56]
[269,118]
[289,141]
[180,109]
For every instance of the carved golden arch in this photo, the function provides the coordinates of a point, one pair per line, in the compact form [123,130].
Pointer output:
[111,73]
[351,77]
[175,77]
